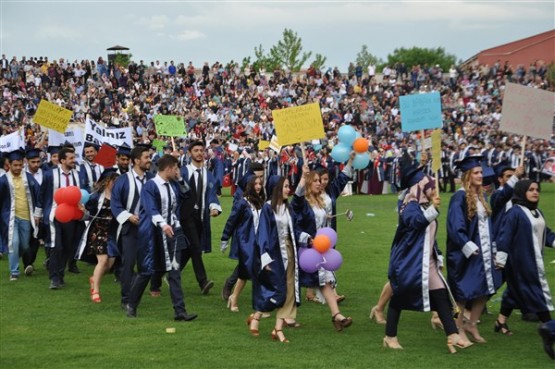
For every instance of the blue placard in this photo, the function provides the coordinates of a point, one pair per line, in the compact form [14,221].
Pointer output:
[421,111]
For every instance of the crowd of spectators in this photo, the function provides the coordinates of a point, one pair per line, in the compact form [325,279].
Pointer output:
[233,104]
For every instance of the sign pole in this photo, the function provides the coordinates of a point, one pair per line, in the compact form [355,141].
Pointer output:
[523,149]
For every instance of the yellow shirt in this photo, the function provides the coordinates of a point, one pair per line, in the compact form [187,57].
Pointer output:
[21,204]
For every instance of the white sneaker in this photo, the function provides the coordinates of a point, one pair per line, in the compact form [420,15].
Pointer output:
[29,270]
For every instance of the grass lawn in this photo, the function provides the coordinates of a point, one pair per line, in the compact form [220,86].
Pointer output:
[40,328]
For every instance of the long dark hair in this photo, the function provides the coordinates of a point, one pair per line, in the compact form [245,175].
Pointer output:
[277,194]
[256,199]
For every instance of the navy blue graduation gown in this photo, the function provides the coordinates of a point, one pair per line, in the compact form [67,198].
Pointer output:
[334,190]
[409,263]
[240,226]
[469,276]
[269,287]
[521,252]
[500,203]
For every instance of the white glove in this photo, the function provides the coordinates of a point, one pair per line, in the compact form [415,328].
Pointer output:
[223,245]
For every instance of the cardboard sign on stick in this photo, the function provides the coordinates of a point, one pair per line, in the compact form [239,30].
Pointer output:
[298,124]
[52,116]
[420,111]
[169,125]
[436,150]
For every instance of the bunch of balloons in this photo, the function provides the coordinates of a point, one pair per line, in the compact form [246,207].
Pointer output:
[322,254]
[349,140]
[67,199]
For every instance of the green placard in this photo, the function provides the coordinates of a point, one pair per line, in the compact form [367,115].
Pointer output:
[169,125]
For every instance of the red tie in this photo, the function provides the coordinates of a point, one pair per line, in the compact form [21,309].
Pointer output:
[67,179]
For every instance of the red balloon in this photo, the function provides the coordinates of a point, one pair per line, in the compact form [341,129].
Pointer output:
[64,213]
[59,195]
[321,243]
[72,195]
[78,214]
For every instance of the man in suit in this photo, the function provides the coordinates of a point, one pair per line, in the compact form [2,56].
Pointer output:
[89,171]
[196,211]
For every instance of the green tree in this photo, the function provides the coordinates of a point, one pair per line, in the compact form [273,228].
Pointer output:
[551,74]
[419,55]
[365,58]
[319,61]
[122,59]
[289,52]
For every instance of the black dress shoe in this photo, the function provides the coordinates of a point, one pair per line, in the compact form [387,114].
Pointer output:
[73,269]
[227,290]
[131,312]
[548,338]
[206,288]
[185,317]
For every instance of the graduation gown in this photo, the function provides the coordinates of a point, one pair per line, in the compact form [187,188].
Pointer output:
[520,245]
[500,202]
[409,263]
[210,201]
[7,207]
[241,225]
[89,175]
[269,288]
[469,276]
[334,190]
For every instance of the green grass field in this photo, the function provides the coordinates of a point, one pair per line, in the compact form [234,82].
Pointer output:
[41,328]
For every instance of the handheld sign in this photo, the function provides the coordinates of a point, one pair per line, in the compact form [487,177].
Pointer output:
[159,145]
[106,156]
[12,142]
[169,125]
[298,124]
[420,111]
[274,144]
[262,145]
[527,111]
[52,116]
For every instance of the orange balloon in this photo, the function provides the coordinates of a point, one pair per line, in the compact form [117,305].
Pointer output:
[321,243]
[360,145]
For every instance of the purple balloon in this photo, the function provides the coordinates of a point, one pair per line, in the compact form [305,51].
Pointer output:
[330,233]
[332,260]
[310,260]
[300,251]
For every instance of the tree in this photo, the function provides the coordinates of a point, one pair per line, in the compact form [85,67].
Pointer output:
[122,60]
[421,56]
[365,58]
[288,52]
[319,61]
[551,74]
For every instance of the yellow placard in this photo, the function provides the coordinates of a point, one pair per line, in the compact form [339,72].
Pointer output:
[298,124]
[262,145]
[436,150]
[52,116]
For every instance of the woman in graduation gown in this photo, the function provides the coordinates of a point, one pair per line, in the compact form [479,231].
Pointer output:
[469,251]
[415,264]
[520,245]
[275,271]
[310,215]
[242,225]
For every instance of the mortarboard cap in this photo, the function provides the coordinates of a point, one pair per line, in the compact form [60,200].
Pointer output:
[16,155]
[107,172]
[53,149]
[33,153]
[501,167]
[124,150]
[488,174]
[470,162]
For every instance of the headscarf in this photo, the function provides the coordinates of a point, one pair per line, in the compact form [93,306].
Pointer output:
[418,192]
[519,194]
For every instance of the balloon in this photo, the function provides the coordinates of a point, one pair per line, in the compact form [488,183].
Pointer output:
[85,195]
[361,161]
[64,213]
[78,214]
[321,243]
[59,195]
[310,260]
[300,251]
[360,145]
[340,153]
[72,195]
[330,233]
[347,135]
[332,260]
[358,135]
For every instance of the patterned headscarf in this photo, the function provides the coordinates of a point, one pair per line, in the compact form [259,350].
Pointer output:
[418,192]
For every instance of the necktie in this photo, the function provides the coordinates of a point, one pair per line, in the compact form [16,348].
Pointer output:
[67,179]
[199,188]
[169,216]
[93,170]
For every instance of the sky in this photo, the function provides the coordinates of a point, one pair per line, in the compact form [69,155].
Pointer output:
[200,31]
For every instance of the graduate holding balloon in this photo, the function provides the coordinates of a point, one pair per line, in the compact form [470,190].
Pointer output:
[318,260]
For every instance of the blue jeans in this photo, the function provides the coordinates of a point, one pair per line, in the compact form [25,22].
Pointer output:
[21,239]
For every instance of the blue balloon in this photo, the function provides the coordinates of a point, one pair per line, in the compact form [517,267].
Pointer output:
[85,195]
[361,161]
[347,135]
[358,135]
[340,153]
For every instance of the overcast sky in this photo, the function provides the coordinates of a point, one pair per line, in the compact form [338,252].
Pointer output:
[220,31]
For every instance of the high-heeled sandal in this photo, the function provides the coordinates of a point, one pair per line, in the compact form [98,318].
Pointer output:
[291,324]
[502,328]
[436,322]
[232,304]
[340,324]
[473,332]
[392,343]
[377,315]
[460,343]
[254,331]
[95,297]
[276,336]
